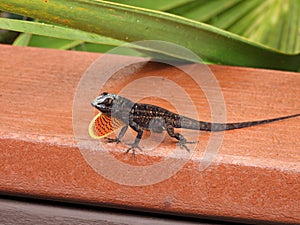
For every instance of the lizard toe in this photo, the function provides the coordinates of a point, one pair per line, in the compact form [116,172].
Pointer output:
[182,145]
[133,148]
[112,140]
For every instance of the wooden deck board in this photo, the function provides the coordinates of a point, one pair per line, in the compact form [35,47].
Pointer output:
[254,177]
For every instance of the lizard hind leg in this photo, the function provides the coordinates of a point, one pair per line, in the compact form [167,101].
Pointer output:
[179,137]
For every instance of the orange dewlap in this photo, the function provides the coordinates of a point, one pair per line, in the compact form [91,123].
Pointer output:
[102,125]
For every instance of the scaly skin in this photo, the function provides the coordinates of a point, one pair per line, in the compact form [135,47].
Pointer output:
[142,117]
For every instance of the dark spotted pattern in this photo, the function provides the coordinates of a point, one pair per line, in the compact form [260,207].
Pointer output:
[142,117]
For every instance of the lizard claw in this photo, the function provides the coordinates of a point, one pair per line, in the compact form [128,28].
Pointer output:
[132,148]
[182,144]
[191,142]
[113,140]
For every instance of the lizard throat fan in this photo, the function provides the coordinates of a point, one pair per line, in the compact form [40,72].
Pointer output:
[102,126]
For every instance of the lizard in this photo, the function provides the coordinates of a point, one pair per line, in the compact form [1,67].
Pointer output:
[140,117]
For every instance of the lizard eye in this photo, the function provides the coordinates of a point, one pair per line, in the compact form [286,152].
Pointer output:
[108,102]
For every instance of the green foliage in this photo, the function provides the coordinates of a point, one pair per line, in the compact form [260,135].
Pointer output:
[251,33]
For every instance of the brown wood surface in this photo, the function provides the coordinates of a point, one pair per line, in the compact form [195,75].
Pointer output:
[254,177]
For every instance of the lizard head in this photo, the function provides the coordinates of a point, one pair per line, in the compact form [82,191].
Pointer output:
[104,102]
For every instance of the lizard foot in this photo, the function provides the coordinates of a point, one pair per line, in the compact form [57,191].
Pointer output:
[113,140]
[182,144]
[132,148]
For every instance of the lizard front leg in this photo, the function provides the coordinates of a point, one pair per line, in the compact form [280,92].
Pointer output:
[179,137]
[138,138]
[120,136]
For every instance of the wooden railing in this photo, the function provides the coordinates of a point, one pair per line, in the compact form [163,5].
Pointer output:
[255,175]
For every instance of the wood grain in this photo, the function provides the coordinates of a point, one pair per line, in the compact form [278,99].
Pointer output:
[16,211]
[255,175]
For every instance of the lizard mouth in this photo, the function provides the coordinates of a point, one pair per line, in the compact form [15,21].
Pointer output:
[94,103]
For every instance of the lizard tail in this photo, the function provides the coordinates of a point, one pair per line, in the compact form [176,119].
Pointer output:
[207,126]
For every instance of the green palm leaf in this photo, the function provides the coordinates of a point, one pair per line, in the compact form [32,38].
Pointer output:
[130,23]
